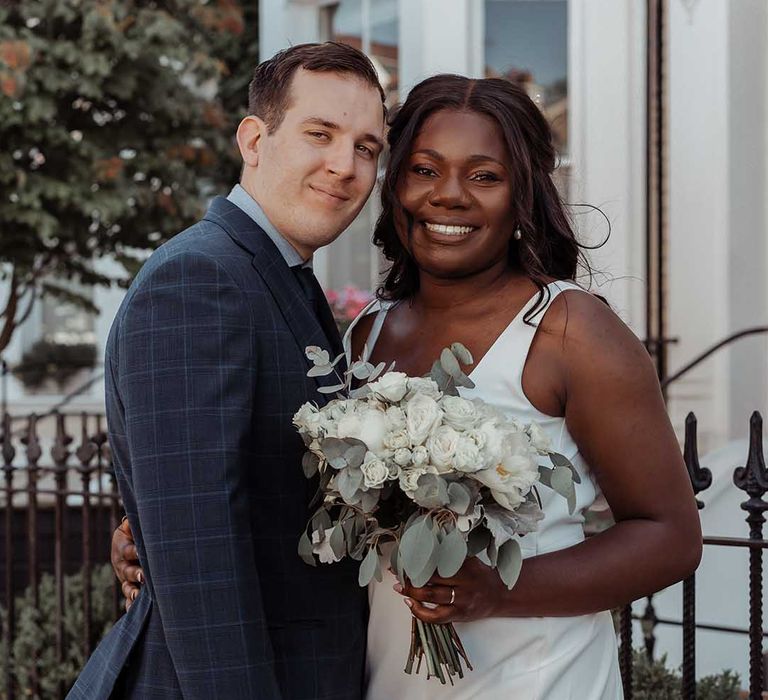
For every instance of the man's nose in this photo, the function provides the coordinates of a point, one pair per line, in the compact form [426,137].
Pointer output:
[341,160]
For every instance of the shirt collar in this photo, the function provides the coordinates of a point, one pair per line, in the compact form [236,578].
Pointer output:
[241,199]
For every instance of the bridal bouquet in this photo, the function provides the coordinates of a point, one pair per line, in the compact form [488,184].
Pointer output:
[412,472]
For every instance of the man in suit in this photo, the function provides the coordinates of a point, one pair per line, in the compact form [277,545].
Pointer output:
[205,367]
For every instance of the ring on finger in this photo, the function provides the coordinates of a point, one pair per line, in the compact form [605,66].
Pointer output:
[453,595]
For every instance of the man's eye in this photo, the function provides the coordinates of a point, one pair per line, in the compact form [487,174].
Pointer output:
[365,150]
[318,135]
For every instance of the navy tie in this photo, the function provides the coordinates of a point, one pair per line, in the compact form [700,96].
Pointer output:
[319,305]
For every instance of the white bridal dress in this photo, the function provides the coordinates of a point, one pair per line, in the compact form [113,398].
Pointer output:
[535,658]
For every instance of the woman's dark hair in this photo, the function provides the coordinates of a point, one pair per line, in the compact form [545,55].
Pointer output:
[548,247]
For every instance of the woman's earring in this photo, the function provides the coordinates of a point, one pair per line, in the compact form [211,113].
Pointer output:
[518,234]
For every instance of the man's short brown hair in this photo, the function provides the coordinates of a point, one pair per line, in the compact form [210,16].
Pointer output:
[269,91]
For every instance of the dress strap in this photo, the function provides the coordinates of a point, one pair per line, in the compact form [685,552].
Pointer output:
[374,306]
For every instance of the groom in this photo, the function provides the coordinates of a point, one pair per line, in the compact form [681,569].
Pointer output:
[205,367]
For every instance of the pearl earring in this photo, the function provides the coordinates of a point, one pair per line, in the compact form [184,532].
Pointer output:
[518,234]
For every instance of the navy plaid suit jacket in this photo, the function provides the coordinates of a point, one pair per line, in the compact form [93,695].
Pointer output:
[205,367]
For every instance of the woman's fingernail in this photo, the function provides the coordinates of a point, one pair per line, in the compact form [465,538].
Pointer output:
[134,593]
[409,602]
[398,588]
[140,577]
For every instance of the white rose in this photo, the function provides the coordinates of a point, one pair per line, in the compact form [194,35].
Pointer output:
[309,420]
[424,386]
[397,439]
[423,415]
[539,439]
[338,408]
[391,386]
[409,479]
[478,437]
[459,413]
[420,455]
[511,479]
[395,418]
[466,457]
[368,426]
[375,471]
[442,446]
[402,457]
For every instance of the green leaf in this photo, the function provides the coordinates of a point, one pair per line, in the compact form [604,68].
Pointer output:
[450,364]
[432,491]
[418,549]
[355,453]
[337,541]
[320,371]
[562,481]
[509,562]
[377,371]
[330,389]
[562,461]
[478,540]
[545,476]
[309,463]
[369,567]
[461,353]
[317,355]
[459,497]
[305,549]
[321,521]
[349,481]
[452,554]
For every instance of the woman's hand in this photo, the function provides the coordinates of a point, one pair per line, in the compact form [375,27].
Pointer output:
[125,562]
[474,593]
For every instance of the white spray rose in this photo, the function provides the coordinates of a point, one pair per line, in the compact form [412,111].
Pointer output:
[402,457]
[409,479]
[368,425]
[424,386]
[375,471]
[442,446]
[423,415]
[391,386]
[397,439]
[420,455]
[466,457]
[459,413]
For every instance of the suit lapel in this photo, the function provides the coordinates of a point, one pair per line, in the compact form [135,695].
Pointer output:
[281,282]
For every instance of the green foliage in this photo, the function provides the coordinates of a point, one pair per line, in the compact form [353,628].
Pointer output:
[652,680]
[57,361]
[117,119]
[35,642]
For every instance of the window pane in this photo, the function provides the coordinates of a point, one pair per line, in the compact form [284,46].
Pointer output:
[527,41]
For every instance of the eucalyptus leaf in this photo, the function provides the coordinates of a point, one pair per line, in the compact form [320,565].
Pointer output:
[562,481]
[320,371]
[545,476]
[439,375]
[333,447]
[338,359]
[330,389]
[501,528]
[355,454]
[562,461]
[452,553]
[377,371]
[432,491]
[361,370]
[368,567]
[321,522]
[337,541]
[369,499]
[305,549]
[509,562]
[309,463]
[417,547]
[422,577]
[349,481]
[317,355]
[360,393]
[492,552]
[459,497]
[464,381]
[449,363]
[461,353]
[478,540]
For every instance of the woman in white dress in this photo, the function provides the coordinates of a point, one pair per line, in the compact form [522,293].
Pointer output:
[483,253]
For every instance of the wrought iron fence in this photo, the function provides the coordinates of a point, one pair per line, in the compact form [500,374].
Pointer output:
[60,504]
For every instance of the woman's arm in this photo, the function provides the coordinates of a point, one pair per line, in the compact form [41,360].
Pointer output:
[616,415]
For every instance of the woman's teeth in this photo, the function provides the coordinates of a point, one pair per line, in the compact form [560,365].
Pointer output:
[449,230]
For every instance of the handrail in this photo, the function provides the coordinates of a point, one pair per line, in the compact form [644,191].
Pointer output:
[703,356]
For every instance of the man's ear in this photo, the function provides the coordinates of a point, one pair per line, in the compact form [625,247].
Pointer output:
[249,139]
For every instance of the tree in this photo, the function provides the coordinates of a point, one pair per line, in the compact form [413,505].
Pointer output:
[117,120]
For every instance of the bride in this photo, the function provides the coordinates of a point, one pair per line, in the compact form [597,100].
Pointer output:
[482,252]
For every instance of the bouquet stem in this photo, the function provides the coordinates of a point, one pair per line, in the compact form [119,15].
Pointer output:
[441,649]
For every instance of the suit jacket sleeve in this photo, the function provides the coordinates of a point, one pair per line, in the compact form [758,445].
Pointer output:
[186,376]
